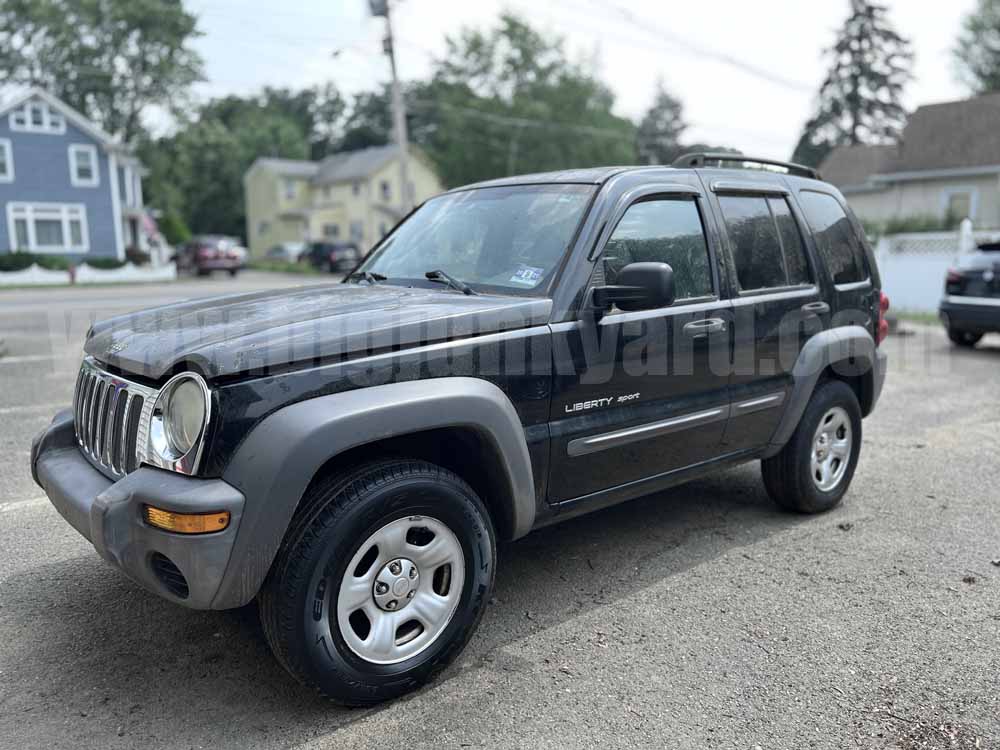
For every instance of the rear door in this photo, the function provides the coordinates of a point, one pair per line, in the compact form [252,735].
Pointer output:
[777,304]
[641,394]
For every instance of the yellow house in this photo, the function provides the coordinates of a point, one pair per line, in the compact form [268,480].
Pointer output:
[353,196]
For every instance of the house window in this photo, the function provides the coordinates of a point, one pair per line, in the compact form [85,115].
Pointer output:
[331,230]
[290,189]
[355,189]
[326,192]
[382,229]
[357,231]
[6,161]
[386,190]
[48,227]
[37,117]
[958,205]
[263,227]
[83,170]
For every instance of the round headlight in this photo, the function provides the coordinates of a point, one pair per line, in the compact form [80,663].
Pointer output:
[184,415]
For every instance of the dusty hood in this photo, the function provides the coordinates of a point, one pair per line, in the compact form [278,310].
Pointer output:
[255,333]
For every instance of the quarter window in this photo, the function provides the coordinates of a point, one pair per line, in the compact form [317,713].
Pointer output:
[48,227]
[6,161]
[838,244]
[791,242]
[664,231]
[83,169]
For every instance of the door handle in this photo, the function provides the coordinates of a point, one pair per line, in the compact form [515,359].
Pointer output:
[704,327]
[816,308]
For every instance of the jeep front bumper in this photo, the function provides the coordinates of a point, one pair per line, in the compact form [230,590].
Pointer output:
[110,515]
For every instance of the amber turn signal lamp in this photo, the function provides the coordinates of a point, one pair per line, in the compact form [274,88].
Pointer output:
[186,523]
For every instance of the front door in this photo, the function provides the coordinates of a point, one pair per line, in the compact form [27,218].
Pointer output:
[642,394]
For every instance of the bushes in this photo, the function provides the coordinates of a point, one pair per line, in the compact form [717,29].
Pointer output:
[18,261]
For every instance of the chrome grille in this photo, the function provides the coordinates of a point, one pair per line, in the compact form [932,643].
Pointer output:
[108,412]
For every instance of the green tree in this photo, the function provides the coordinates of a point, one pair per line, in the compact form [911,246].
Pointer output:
[860,100]
[659,133]
[508,100]
[110,59]
[977,52]
[197,173]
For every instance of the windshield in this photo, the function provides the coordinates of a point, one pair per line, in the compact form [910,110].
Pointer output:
[503,239]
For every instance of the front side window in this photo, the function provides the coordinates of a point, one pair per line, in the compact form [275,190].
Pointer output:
[6,161]
[83,165]
[48,227]
[508,239]
[838,244]
[663,231]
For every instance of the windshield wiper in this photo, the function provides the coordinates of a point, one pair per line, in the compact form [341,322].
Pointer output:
[369,276]
[439,275]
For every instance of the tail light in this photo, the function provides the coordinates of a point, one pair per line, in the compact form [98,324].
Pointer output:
[954,276]
[883,324]
[206,252]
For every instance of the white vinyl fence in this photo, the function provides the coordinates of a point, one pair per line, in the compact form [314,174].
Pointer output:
[913,266]
[35,275]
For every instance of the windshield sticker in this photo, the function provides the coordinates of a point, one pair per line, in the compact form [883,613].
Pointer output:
[527,275]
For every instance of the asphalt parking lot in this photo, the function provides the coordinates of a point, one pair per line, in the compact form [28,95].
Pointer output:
[697,618]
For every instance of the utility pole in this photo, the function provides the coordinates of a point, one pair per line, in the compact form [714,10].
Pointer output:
[381,8]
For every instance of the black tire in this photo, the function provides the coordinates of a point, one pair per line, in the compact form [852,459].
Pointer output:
[334,519]
[966,339]
[788,475]
[233,272]
[203,272]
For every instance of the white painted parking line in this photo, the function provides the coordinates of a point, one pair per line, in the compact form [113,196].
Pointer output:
[23,504]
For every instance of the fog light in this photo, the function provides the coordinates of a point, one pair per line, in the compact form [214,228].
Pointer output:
[186,523]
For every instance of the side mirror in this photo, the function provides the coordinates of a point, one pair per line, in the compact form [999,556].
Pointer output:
[641,286]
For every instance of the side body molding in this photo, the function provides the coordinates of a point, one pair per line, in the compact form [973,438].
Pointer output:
[851,351]
[278,459]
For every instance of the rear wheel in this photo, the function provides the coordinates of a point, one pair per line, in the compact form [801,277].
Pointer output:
[381,581]
[964,338]
[813,471]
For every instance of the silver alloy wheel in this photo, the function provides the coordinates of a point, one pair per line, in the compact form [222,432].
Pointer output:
[401,589]
[831,451]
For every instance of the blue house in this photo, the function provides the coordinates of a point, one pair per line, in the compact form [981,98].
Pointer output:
[66,187]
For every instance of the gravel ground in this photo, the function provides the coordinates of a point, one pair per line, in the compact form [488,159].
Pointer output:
[697,618]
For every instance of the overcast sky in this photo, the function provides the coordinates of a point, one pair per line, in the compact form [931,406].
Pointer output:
[746,72]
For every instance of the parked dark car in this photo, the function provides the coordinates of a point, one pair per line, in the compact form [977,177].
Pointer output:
[971,304]
[335,257]
[208,253]
[516,353]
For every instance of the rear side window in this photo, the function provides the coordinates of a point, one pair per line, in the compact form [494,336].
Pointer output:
[767,247]
[838,245]
[663,231]
[791,242]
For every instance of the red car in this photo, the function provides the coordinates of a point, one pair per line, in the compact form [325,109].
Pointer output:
[211,252]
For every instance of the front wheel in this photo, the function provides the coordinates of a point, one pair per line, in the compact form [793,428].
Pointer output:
[813,471]
[381,581]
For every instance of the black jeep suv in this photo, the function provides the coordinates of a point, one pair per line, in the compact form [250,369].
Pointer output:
[514,353]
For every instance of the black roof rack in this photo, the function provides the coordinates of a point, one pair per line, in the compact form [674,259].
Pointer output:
[742,161]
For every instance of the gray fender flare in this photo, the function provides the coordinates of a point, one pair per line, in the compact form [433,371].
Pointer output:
[852,352]
[276,462]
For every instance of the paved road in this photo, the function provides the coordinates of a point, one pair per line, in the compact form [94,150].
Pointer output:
[697,618]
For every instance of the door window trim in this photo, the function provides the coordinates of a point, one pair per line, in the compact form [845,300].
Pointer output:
[647,194]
